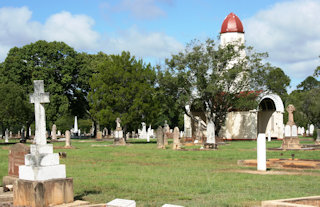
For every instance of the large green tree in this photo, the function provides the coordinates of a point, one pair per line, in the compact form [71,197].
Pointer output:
[213,78]
[54,62]
[123,87]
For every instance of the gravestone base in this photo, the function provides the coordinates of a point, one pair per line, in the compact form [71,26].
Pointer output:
[290,143]
[210,146]
[8,180]
[42,193]
[119,141]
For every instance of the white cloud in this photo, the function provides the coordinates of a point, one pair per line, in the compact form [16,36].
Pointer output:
[289,32]
[17,29]
[143,44]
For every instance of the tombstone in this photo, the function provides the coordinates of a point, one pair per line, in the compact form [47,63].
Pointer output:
[10,134]
[54,132]
[59,133]
[302,130]
[261,153]
[22,133]
[166,132]
[307,133]
[143,134]
[269,136]
[75,127]
[299,130]
[79,133]
[6,136]
[311,129]
[211,139]
[99,135]
[160,138]
[16,158]
[121,203]
[149,133]
[294,131]
[68,138]
[318,136]
[176,140]
[118,136]
[181,134]
[42,167]
[133,134]
[128,136]
[105,132]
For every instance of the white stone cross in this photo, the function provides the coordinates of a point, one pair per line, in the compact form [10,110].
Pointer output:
[39,97]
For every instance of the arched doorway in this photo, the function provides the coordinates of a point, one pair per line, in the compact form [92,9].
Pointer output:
[270,115]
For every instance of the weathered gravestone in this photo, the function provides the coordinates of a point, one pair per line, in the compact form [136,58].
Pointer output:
[160,138]
[42,180]
[54,132]
[16,158]
[68,139]
[176,139]
[291,139]
[318,136]
[6,136]
[211,139]
[311,129]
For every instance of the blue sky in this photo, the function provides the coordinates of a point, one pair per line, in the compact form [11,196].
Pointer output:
[155,29]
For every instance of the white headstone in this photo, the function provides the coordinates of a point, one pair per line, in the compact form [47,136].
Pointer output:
[302,130]
[307,132]
[143,134]
[121,203]
[6,136]
[294,131]
[261,153]
[54,132]
[269,136]
[149,133]
[287,131]
[75,128]
[311,129]
[211,139]
[59,133]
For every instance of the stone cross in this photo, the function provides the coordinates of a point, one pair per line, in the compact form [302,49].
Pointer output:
[290,110]
[39,97]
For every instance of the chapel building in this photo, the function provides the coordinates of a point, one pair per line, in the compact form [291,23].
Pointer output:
[242,125]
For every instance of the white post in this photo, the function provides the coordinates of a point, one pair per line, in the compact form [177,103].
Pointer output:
[261,153]
[269,136]
[75,129]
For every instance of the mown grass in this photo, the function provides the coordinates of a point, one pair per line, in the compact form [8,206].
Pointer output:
[154,177]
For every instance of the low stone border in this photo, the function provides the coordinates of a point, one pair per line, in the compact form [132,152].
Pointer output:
[311,201]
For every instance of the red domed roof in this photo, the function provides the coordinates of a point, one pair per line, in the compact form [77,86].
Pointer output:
[232,23]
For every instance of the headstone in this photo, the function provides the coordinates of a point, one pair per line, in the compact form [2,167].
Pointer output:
[75,127]
[302,130]
[6,136]
[121,203]
[287,131]
[294,131]
[54,132]
[99,135]
[23,133]
[133,134]
[143,134]
[105,132]
[269,136]
[261,153]
[118,137]
[166,132]
[59,133]
[211,139]
[160,138]
[181,134]
[307,132]
[318,136]
[42,163]
[311,129]
[16,158]
[68,138]
[299,130]
[176,140]
[149,133]
[42,168]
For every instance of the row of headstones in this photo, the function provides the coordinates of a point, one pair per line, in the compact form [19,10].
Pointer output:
[130,203]
[162,138]
[300,130]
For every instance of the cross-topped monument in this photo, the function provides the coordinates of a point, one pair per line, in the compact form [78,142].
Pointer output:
[39,97]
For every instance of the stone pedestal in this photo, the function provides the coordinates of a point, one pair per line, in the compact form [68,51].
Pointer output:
[99,135]
[118,137]
[42,193]
[290,143]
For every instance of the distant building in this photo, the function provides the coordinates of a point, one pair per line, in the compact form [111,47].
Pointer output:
[243,125]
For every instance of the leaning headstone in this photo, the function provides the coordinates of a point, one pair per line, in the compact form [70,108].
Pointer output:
[261,153]
[42,172]
[176,140]
[54,132]
[68,139]
[160,138]
[16,158]
[311,129]
[121,203]
[6,136]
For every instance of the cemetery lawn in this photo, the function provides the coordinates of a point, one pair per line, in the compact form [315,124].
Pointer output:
[153,177]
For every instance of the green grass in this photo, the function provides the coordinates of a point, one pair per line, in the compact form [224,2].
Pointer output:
[153,177]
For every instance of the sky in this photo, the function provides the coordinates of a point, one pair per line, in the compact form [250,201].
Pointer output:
[155,29]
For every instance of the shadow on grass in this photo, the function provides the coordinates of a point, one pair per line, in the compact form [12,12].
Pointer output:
[85,193]
[141,142]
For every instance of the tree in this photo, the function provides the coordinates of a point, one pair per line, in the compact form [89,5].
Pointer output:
[123,87]
[308,84]
[54,62]
[276,81]
[212,78]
